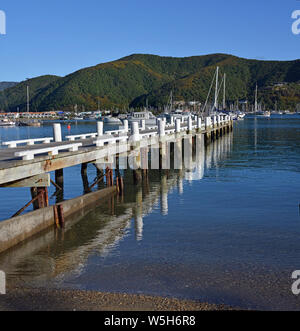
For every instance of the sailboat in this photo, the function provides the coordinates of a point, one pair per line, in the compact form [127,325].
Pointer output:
[260,113]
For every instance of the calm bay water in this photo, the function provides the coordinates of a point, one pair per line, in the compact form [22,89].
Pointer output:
[232,236]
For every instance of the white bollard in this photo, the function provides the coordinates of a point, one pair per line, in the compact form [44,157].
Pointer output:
[143,125]
[161,128]
[100,129]
[57,132]
[215,121]
[125,123]
[199,123]
[207,122]
[190,124]
[178,125]
[135,132]
[172,120]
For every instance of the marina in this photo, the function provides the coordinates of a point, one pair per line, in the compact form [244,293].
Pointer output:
[150,159]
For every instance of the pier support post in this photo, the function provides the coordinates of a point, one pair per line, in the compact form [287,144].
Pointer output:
[34,193]
[137,176]
[109,176]
[41,193]
[59,180]
[84,176]
[57,132]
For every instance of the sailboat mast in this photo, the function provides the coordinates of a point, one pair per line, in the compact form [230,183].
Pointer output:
[255,100]
[27,99]
[224,94]
[216,92]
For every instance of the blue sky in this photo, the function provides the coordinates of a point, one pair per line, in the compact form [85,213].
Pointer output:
[59,37]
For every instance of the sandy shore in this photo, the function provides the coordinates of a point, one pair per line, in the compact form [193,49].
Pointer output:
[72,300]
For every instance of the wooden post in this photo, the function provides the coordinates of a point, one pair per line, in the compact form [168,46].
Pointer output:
[137,177]
[99,175]
[109,178]
[56,218]
[59,180]
[34,194]
[61,217]
[121,185]
[85,181]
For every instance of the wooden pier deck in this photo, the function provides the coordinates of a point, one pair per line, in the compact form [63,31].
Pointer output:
[14,169]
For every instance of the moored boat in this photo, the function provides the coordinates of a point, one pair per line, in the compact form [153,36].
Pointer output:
[7,123]
[112,120]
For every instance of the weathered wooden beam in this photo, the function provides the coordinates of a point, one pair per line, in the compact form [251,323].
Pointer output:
[55,163]
[42,180]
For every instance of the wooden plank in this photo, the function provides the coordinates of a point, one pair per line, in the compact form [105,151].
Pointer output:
[41,180]
[59,162]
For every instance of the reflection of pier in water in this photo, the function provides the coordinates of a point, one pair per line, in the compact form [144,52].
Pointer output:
[57,251]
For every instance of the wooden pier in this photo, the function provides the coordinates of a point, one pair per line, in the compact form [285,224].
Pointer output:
[139,147]
[25,162]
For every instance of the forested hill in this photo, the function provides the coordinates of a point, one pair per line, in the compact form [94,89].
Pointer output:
[132,79]
[5,85]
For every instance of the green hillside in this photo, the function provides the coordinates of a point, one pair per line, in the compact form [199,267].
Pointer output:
[5,85]
[16,96]
[131,80]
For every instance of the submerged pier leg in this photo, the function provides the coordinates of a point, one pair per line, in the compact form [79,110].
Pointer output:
[34,194]
[41,193]
[137,176]
[59,180]
[85,180]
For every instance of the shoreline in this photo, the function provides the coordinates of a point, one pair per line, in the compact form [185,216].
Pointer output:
[27,299]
